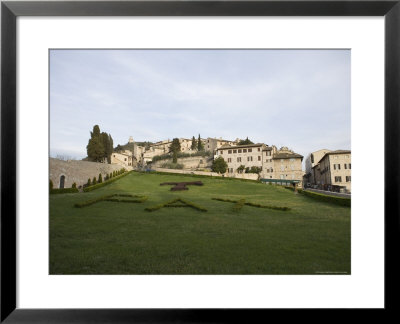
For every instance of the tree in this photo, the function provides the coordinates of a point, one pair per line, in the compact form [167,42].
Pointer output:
[51,184]
[245,142]
[175,148]
[200,146]
[194,144]
[241,168]
[94,180]
[89,182]
[219,165]
[73,185]
[100,178]
[95,147]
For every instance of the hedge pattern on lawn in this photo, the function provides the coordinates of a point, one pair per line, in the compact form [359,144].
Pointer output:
[102,184]
[64,190]
[112,198]
[177,202]
[341,201]
[239,204]
[181,185]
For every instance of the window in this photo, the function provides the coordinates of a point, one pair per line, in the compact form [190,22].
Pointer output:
[338,179]
[239,151]
[349,165]
[268,153]
[229,151]
[234,151]
[267,170]
[249,158]
[221,152]
[229,160]
[282,176]
[125,159]
[258,149]
[338,166]
[348,178]
[334,167]
[239,159]
[345,165]
[244,150]
[259,158]
[250,150]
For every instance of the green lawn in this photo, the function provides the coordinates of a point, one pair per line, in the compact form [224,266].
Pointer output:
[122,238]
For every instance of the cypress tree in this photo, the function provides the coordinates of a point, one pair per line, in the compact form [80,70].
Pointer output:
[194,143]
[100,178]
[94,180]
[200,144]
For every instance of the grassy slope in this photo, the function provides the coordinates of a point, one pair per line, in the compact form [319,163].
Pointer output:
[122,238]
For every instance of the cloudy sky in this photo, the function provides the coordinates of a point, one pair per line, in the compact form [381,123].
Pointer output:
[294,98]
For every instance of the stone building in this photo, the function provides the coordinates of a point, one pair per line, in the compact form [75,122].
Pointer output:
[285,165]
[212,144]
[124,159]
[241,155]
[310,162]
[333,171]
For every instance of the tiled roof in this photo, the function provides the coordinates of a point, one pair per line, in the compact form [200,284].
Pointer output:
[224,147]
[287,156]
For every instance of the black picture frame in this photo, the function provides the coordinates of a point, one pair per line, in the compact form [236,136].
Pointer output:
[10,10]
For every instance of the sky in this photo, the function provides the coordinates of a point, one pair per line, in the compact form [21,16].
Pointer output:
[294,98]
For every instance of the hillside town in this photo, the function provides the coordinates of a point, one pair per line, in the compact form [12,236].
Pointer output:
[325,169]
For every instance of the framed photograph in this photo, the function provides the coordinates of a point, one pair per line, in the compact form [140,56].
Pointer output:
[180,160]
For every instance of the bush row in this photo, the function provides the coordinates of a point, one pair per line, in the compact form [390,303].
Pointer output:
[252,204]
[64,190]
[180,155]
[99,185]
[171,165]
[326,198]
[110,198]
[239,205]
[173,203]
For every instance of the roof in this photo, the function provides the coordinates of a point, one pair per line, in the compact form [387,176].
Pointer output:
[334,153]
[339,152]
[287,156]
[240,146]
[268,148]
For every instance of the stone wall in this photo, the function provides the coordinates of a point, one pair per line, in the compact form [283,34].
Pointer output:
[78,171]
[190,163]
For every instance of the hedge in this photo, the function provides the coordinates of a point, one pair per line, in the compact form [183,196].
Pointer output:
[180,155]
[102,184]
[242,201]
[173,203]
[64,190]
[110,198]
[341,201]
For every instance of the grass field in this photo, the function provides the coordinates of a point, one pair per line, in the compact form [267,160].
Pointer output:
[111,237]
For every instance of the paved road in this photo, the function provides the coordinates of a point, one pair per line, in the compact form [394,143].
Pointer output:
[330,193]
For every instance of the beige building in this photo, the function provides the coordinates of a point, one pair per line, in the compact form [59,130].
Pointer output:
[124,159]
[310,162]
[212,144]
[241,155]
[286,165]
[333,172]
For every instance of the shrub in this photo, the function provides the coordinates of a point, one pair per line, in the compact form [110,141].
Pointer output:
[171,165]
[73,185]
[111,198]
[51,184]
[89,182]
[110,176]
[99,185]
[326,198]
[100,178]
[64,190]
[251,204]
[174,203]
[94,180]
